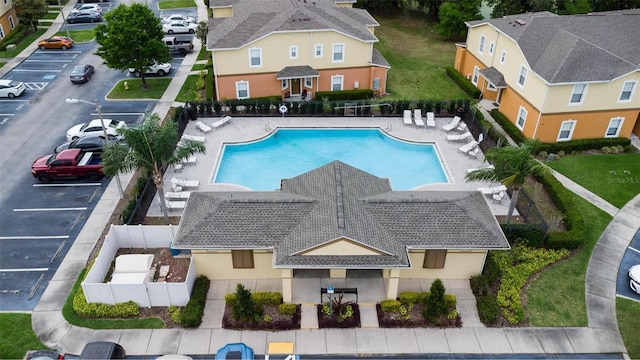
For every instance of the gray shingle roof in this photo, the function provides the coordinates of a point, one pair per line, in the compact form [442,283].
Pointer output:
[495,76]
[297,72]
[338,201]
[254,19]
[575,48]
[378,59]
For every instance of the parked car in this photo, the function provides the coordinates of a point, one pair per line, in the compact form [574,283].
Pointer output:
[177,17]
[56,42]
[94,143]
[102,350]
[179,27]
[94,128]
[86,7]
[634,278]
[157,69]
[81,73]
[11,89]
[84,17]
[44,355]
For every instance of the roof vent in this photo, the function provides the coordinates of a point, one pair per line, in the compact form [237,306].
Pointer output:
[520,22]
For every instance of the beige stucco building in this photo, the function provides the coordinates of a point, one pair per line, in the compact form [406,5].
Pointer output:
[8,18]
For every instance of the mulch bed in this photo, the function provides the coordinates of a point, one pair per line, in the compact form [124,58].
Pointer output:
[414,320]
[331,322]
[278,321]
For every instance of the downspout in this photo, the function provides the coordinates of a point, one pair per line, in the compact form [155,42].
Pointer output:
[544,103]
[215,75]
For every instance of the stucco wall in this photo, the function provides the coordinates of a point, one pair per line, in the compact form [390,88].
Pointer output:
[458,265]
[219,265]
[589,125]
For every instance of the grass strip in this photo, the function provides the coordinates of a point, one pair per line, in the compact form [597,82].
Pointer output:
[187,92]
[17,336]
[23,44]
[176,4]
[627,312]
[155,89]
[79,36]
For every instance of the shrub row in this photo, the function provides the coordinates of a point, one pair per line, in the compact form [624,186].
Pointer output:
[523,234]
[509,127]
[465,84]
[126,215]
[259,298]
[193,311]
[584,144]
[287,309]
[359,94]
[100,310]
[414,297]
[15,36]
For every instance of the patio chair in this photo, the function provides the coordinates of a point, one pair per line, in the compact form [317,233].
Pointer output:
[459,137]
[462,127]
[193,138]
[407,117]
[497,198]
[175,205]
[468,146]
[473,153]
[492,189]
[417,117]
[179,184]
[190,160]
[225,119]
[452,125]
[177,195]
[431,120]
[490,166]
[203,127]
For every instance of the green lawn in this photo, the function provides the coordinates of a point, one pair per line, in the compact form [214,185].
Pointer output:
[556,296]
[23,44]
[51,15]
[17,336]
[615,178]
[155,89]
[176,4]
[417,61]
[629,325]
[79,36]
[188,88]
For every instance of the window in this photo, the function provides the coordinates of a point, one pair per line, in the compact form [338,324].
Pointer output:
[523,75]
[293,52]
[615,124]
[503,56]
[11,23]
[522,117]
[242,89]
[318,50]
[336,82]
[285,84]
[476,75]
[308,82]
[481,45]
[628,88]
[255,57]
[577,95]
[242,259]
[491,48]
[566,130]
[1,32]
[434,259]
[338,52]
[491,87]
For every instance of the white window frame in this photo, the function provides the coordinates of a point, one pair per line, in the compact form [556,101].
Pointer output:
[285,83]
[503,56]
[242,82]
[621,119]
[1,32]
[308,82]
[251,57]
[12,23]
[571,123]
[483,39]
[522,114]
[476,75]
[578,90]
[522,75]
[634,85]
[293,52]
[491,87]
[318,51]
[333,78]
[491,48]
[334,53]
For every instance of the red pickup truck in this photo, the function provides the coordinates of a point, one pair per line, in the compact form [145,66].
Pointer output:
[68,163]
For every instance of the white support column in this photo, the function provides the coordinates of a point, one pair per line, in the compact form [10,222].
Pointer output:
[287,285]
[392,284]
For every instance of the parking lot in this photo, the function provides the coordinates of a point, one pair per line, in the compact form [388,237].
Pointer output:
[631,257]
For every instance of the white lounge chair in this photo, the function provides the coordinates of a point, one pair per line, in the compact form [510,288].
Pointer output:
[468,146]
[193,138]
[459,137]
[177,195]
[473,153]
[431,120]
[175,205]
[190,160]
[492,189]
[462,127]
[490,166]
[179,184]
[453,124]
[497,198]
[407,117]
[203,127]
[225,119]
[417,117]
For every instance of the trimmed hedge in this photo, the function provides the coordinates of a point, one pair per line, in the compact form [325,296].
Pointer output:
[583,144]
[465,84]
[15,36]
[100,310]
[259,298]
[360,94]
[510,128]
[194,310]
[533,237]
[287,309]
[487,308]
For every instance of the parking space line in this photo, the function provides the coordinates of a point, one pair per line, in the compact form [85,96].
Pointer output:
[49,61]
[34,237]
[632,249]
[41,70]
[24,270]
[51,209]
[68,184]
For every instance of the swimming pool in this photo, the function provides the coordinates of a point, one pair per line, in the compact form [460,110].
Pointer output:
[289,152]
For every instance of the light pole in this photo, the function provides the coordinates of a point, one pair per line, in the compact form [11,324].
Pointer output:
[64,21]
[104,132]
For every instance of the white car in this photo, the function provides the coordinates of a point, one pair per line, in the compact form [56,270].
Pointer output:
[94,128]
[179,27]
[86,7]
[634,278]
[11,89]
[177,17]
[157,69]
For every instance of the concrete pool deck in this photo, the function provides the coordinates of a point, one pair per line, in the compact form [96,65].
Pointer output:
[244,129]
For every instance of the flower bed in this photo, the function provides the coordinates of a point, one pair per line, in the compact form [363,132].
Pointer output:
[271,319]
[332,321]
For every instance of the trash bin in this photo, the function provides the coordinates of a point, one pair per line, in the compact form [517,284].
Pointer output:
[174,252]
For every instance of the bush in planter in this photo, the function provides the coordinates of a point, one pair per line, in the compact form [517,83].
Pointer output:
[193,311]
[436,304]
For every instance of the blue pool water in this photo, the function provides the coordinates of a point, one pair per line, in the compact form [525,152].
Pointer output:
[287,153]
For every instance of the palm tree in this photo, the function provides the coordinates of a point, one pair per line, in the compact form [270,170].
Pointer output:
[151,147]
[511,166]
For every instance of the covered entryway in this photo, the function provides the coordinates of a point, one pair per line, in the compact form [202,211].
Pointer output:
[297,81]
[493,84]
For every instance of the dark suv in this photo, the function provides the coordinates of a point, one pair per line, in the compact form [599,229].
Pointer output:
[84,17]
[102,350]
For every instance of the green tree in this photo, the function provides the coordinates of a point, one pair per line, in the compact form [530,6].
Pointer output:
[244,307]
[201,32]
[570,7]
[511,166]
[30,10]
[453,14]
[436,305]
[131,37]
[151,148]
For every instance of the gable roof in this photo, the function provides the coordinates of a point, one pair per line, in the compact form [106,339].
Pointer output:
[575,48]
[254,19]
[338,201]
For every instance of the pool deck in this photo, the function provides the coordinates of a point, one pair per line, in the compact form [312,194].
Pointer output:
[252,128]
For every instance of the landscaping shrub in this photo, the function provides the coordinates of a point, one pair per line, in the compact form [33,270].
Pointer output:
[480,285]
[465,84]
[487,308]
[390,305]
[175,313]
[508,126]
[100,310]
[360,94]
[14,37]
[243,307]
[583,145]
[287,309]
[193,311]
[408,297]
[436,305]
[533,237]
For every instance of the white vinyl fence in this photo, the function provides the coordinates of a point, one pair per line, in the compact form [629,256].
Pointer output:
[146,294]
